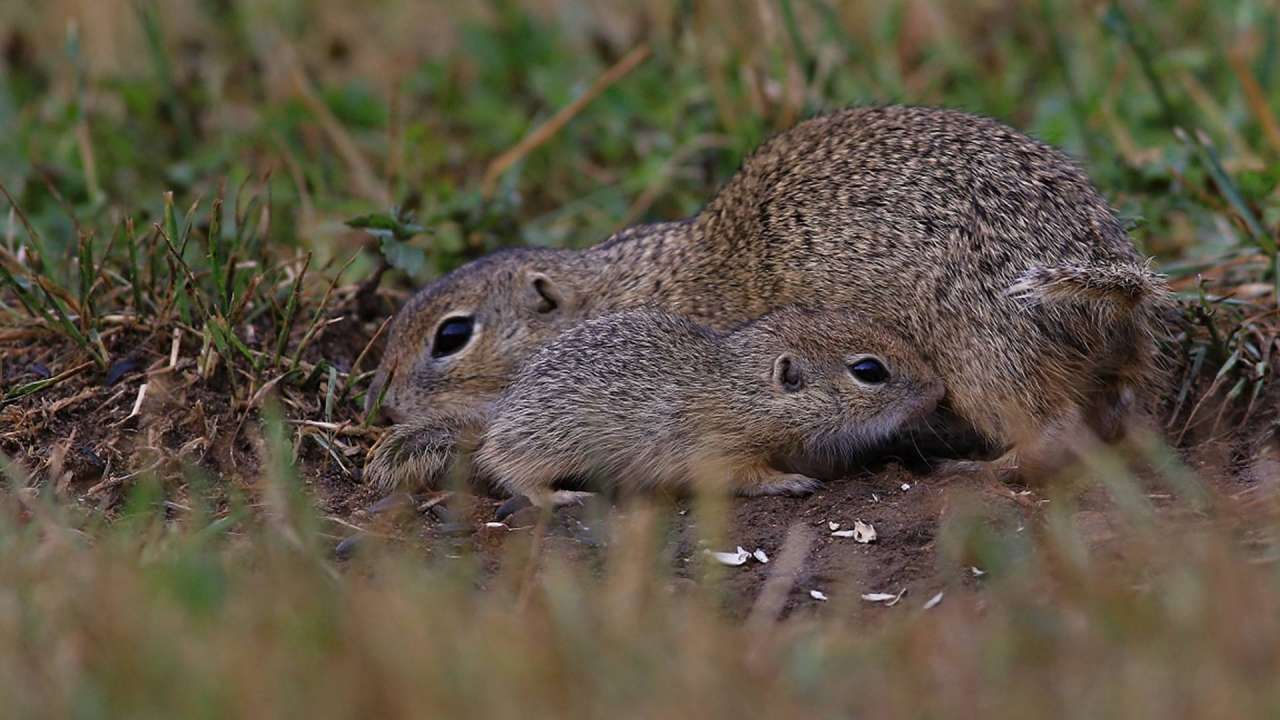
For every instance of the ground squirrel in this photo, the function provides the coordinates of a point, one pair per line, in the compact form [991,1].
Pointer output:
[990,250]
[644,399]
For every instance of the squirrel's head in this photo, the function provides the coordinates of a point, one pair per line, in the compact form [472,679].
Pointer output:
[458,341]
[844,381]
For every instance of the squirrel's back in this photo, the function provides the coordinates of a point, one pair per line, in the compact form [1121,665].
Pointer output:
[944,219]
[937,201]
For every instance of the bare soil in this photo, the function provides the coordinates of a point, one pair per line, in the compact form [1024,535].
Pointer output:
[912,557]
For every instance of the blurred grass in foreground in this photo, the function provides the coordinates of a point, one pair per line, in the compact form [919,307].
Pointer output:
[245,615]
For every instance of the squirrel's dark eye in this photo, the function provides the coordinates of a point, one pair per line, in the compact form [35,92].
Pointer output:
[870,371]
[452,335]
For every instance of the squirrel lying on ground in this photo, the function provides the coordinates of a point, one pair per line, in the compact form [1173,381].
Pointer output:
[644,399]
[990,251]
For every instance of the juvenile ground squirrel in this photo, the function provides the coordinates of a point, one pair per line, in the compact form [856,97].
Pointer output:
[991,251]
[643,399]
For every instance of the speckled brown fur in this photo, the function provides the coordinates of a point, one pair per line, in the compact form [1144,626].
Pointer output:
[641,399]
[990,250]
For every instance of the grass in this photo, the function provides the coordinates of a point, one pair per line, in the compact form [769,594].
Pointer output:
[245,614]
[210,209]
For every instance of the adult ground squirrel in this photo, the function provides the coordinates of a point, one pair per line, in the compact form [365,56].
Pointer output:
[990,250]
[642,399]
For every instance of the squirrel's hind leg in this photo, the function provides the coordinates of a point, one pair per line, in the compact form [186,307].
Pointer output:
[1109,410]
[1059,445]
[767,481]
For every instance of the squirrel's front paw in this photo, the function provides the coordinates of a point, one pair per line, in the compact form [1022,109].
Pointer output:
[407,457]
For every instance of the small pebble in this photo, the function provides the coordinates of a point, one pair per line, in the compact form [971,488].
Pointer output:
[346,548]
[511,507]
[455,529]
[394,501]
[526,518]
[120,368]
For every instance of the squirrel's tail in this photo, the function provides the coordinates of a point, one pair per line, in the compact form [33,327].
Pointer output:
[1122,287]
[1115,313]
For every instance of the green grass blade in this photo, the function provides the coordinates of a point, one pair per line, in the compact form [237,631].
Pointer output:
[24,297]
[1231,192]
[290,311]
[72,332]
[1117,20]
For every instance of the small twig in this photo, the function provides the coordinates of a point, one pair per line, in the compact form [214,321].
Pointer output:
[1255,97]
[366,182]
[320,320]
[353,373]
[548,129]
[109,483]
[38,385]
[342,429]
[175,347]
[262,391]
[137,403]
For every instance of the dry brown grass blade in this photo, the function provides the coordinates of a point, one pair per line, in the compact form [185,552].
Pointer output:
[1256,98]
[529,577]
[88,160]
[320,320]
[787,567]
[553,125]
[364,179]
[354,372]
[654,191]
[717,66]
[40,385]
[355,366]
[343,429]
[22,334]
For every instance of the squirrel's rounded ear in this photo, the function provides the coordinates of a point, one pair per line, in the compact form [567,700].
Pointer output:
[787,374]
[546,295]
